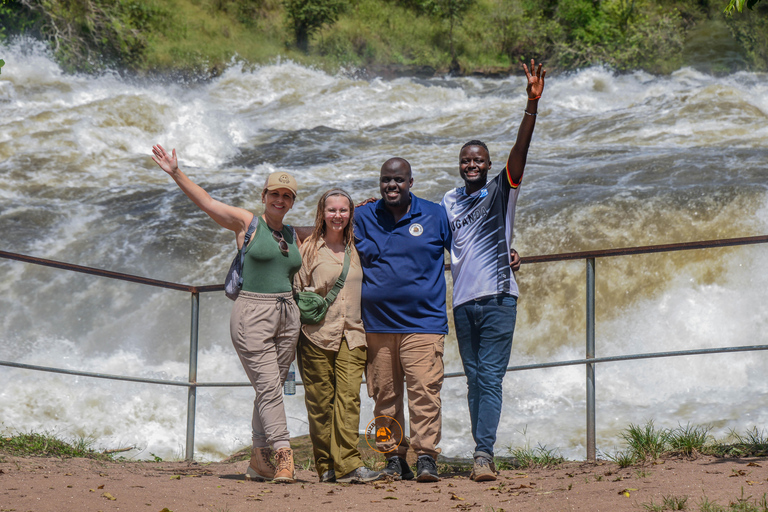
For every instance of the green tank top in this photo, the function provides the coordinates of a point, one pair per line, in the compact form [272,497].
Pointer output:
[266,269]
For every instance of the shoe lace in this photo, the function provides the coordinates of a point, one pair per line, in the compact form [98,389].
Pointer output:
[394,464]
[428,463]
[266,457]
[483,461]
[282,457]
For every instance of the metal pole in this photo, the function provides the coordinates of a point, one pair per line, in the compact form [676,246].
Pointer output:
[591,456]
[192,393]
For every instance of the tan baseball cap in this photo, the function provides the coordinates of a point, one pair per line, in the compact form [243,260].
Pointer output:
[278,180]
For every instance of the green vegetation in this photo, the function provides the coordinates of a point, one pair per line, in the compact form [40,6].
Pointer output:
[48,445]
[306,17]
[739,505]
[739,5]
[753,443]
[667,503]
[644,443]
[751,32]
[647,443]
[383,36]
[688,440]
[539,457]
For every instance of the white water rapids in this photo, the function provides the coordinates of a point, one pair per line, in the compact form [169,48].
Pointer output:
[616,161]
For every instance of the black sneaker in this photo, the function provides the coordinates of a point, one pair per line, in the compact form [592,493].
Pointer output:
[398,468]
[426,469]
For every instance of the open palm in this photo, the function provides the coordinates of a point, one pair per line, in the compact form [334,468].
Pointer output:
[535,80]
[167,162]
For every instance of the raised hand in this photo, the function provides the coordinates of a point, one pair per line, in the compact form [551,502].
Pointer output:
[167,162]
[535,80]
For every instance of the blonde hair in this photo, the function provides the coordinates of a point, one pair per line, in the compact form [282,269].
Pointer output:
[319,230]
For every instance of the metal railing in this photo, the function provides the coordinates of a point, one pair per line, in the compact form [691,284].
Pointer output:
[589,361]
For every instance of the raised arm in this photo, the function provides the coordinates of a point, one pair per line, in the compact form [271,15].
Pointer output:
[229,217]
[519,152]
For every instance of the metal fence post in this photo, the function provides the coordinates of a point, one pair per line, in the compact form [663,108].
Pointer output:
[591,455]
[192,390]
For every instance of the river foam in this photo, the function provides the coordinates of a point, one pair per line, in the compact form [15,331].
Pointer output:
[616,161]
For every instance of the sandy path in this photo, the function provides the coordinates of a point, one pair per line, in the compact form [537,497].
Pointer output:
[49,484]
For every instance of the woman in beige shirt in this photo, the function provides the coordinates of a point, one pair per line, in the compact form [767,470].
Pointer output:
[332,354]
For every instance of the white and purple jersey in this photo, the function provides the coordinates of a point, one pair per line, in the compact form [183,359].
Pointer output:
[481,226]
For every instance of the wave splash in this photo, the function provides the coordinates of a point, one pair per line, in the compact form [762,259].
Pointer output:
[617,161]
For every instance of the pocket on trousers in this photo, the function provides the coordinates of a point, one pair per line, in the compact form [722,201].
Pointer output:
[440,346]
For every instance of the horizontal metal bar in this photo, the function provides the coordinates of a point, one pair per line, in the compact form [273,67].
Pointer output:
[97,272]
[554,364]
[96,375]
[627,251]
[50,369]
[611,359]
[648,249]
[231,384]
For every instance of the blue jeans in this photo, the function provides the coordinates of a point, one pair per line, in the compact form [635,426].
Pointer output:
[484,329]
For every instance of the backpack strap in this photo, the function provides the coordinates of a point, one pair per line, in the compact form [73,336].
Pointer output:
[251,228]
[331,296]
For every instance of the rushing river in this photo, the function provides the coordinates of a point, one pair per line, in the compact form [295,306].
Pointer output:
[616,161]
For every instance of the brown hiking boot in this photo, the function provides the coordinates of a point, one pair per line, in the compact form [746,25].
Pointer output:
[261,467]
[285,470]
[483,470]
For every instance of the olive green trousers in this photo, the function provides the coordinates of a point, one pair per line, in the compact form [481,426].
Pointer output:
[332,395]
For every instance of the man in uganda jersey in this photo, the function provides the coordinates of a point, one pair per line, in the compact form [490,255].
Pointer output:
[481,215]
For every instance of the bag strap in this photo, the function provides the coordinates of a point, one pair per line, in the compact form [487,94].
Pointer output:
[246,241]
[340,281]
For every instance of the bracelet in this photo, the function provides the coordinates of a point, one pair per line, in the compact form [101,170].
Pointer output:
[534,99]
[530,113]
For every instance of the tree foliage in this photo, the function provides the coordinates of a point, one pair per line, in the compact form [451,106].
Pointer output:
[451,10]
[739,5]
[87,35]
[308,16]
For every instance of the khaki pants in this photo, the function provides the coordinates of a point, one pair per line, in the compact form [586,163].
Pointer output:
[419,359]
[332,395]
[264,329]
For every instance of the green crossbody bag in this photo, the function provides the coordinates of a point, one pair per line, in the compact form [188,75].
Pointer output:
[313,306]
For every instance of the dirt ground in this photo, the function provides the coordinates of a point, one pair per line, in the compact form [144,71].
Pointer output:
[56,485]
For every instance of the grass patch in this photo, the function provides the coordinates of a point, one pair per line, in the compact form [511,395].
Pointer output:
[624,458]
[646,442]
[753,443]
[46,444]
[668,503]
[538,457]
[739,505]
[689,440]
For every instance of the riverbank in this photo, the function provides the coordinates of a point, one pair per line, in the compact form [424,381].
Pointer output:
[190,38]
[61,485]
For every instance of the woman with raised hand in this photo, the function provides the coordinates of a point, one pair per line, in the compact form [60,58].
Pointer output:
[332,353]
[264,324]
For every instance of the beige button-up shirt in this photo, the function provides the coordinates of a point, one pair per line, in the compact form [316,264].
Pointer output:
[344,316]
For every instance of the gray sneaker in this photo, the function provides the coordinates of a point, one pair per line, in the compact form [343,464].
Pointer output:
[360,476]
[483,470]
[426,469]
[328,477]
[398,468]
